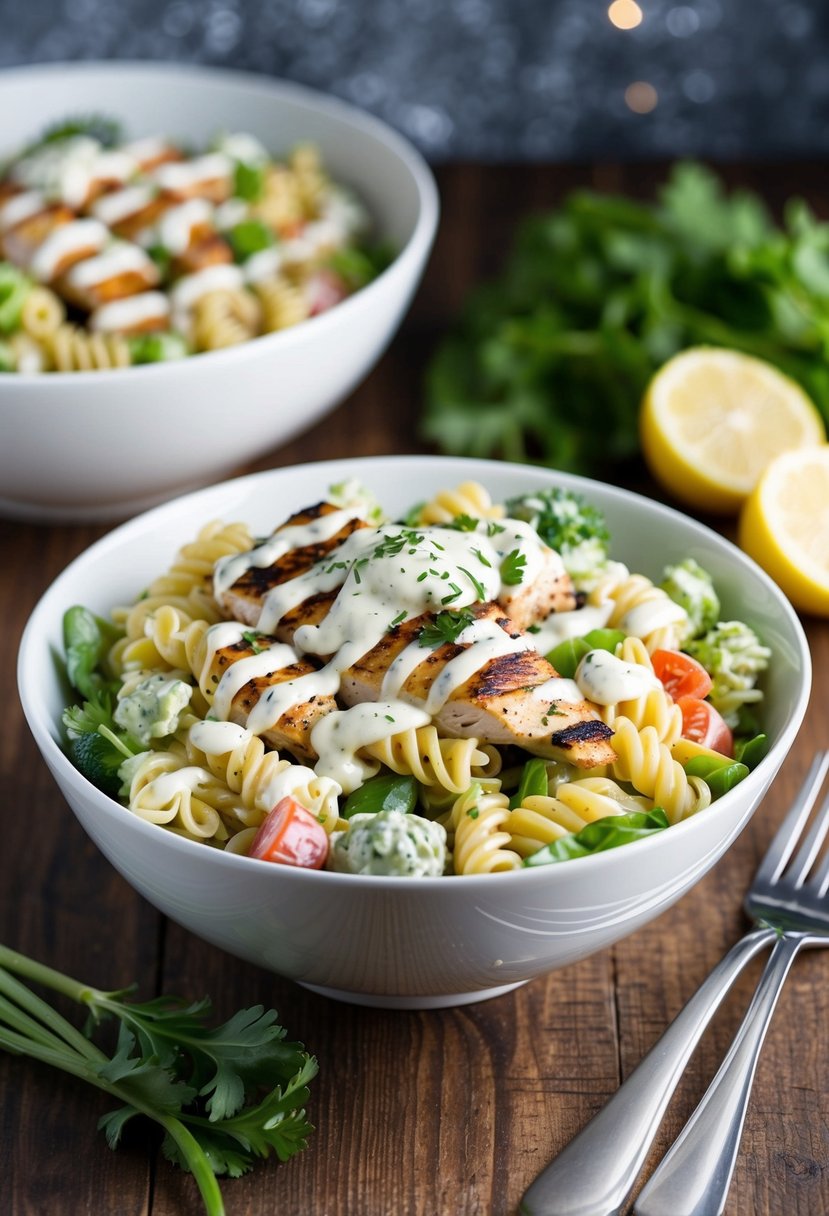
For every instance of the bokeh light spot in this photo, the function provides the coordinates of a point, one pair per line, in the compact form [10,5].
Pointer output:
[641,97]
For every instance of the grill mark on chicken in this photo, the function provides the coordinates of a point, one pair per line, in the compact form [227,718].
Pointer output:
[292,732]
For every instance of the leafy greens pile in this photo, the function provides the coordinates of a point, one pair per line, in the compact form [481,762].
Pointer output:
[225,1096]
[550,362]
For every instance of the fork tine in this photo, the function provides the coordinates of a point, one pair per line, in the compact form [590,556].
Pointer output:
[783,845]
[808,851]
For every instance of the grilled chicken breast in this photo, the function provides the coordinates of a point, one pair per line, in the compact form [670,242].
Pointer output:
[510,700]
[293,729]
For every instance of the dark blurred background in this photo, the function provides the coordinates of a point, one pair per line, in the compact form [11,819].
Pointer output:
[496,80]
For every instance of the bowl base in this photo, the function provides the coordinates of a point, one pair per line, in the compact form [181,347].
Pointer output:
[441,1001]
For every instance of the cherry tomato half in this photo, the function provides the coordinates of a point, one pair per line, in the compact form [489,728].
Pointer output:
[680,675]
[704,724]
[290,834]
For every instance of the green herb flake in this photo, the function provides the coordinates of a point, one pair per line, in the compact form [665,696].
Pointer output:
[513,568]
[446,627]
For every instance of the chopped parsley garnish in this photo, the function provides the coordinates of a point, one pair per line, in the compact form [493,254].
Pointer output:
[252,638]
[512,568]
[480,590]
[446,627]
[482,558]
[398,620]
[464,523]
[492,529]
[473,812]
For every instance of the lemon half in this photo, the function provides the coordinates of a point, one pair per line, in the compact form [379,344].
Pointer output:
[712,420]
[784,526]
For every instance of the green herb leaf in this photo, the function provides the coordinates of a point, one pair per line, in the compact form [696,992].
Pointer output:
[513,567]
[386,792]
[446,627]
[609,833]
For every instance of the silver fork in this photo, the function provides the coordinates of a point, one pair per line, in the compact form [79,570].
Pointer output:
[595,1173]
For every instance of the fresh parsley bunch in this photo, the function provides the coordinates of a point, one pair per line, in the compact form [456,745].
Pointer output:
[550,362]
[225,1096]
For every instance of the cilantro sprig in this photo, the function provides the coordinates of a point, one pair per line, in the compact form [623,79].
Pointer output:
[225,1096]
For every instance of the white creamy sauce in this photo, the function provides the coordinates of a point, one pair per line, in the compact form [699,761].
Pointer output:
[559,688]
[229,213]
[64,241]
[120,204]
[242,147]
[167,786]
[265,264]
[606,680]
[120,258]
[338,737]
[218,738]
[563,625]
[180,176]
[643,619]
[238,674]
[175,228]
[147,149]
[59,169]
[130,312]
[21,207]
[192,287]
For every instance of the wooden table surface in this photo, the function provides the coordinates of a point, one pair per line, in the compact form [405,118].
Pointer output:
[448,1113]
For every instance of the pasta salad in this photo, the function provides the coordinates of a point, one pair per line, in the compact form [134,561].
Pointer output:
[115,253]
[472,689]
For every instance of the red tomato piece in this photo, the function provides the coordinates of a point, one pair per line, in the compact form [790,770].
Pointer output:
[681,675]
[290,834]
[325,289]
[702,723]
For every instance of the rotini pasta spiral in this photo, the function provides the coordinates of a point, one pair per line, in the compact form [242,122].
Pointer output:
[646,762]
[283,303]
[164,789]
[451,764]
[540,820]
[225,318]
[469,498]
[72,349]
[310,179]
[642,609]
[480,841]
[281,204]
[260,778]
[42,313]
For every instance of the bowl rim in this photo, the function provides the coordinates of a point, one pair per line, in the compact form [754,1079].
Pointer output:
[408,256]
[594,864]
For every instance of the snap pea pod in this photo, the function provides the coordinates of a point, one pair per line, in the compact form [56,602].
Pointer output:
[85,638]
[719,776]
[567,655]
[388,792]
[751,751]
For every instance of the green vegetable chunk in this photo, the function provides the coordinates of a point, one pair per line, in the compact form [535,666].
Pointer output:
[533,783]
[249,181]
[388,792]
[719,775]
[225,1096]
[568,654]
[86,638]
[693,589]
[608,833]
[751,751]
[735,658]
[157,348]
[564,521]
[14,288]
[249,237]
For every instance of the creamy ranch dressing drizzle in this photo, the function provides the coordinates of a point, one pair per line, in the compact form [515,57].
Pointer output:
[606,680]
[131,311]
[643,619]
[558,688]
[214,278]
[21,207]
[114,207]
[563,625]
[63,241]
[175,228]
[485,641]
[338,737]
[181,175]
[117,260]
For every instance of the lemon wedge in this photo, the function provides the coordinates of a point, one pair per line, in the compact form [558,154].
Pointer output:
[713,419]
[784,526]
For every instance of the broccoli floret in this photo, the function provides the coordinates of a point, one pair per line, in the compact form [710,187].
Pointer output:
[151,710]
[568,524]
[96,747]
[693,589]
[734,657]
[392,843]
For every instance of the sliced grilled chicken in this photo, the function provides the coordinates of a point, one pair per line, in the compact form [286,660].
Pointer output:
[509,700]
[121,270]
[21,241]
[244,600]
[293,729]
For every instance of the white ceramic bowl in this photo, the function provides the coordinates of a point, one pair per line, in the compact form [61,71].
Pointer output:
[404,942]
[102,445]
